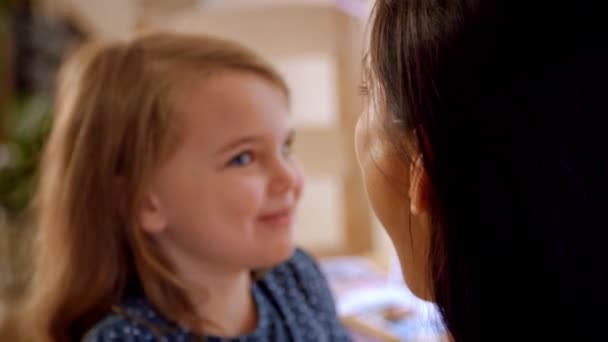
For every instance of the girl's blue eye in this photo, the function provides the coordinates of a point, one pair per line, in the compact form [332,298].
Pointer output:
[242,159]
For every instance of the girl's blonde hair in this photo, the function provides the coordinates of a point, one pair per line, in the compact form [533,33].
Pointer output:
[113,125]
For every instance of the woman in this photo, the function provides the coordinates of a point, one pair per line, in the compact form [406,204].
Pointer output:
[485,158]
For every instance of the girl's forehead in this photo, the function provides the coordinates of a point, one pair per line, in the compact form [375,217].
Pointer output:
[228,106]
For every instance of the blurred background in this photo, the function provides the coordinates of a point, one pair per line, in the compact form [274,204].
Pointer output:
[317,45]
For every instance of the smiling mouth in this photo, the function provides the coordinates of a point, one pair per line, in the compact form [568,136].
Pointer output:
[277,218]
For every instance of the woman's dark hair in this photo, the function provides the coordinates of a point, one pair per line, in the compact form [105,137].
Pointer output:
[505,101]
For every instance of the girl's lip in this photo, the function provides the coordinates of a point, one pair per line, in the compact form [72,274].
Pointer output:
[277,214]
[278,220]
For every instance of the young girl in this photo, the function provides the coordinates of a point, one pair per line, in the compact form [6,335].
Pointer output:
[167,185]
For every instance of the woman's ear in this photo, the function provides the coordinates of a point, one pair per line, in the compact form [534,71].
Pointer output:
[419,187]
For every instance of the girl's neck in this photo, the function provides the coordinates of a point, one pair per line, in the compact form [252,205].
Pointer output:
[225,302]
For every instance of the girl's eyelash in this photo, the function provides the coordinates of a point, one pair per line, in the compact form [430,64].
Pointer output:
[247,157]
[286,148]
[289,141]
[242,159]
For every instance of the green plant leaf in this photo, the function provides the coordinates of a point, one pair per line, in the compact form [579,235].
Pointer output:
[27,125]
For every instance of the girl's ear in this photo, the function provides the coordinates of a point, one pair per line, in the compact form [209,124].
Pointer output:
[152,216]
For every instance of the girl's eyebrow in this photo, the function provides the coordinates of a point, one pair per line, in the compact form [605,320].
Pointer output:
[241,141]
[250,139]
